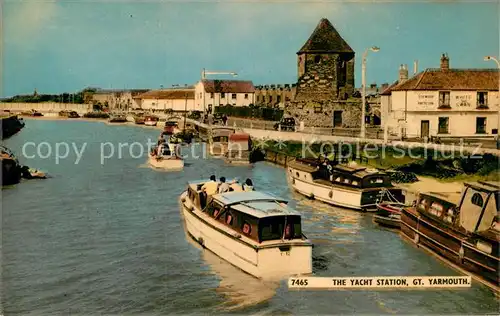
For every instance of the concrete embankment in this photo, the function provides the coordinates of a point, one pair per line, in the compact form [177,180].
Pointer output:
[46,107]
[10,125]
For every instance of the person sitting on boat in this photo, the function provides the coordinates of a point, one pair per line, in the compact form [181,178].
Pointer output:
[248,185]
[235,186]
[210,187]
[223,186]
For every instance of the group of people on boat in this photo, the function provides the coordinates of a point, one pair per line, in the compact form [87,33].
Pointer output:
[222,186]
[325,167]
[163,149]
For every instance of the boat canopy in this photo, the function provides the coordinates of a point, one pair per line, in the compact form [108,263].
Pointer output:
[216,132]
[231,198]
[239,137]
[479,205]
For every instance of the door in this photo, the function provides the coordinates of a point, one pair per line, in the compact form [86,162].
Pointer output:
[337,118]
[424,129]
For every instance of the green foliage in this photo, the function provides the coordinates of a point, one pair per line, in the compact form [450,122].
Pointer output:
[264,113]
[60,98]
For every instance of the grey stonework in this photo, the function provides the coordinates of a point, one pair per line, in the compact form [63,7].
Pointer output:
[321,113]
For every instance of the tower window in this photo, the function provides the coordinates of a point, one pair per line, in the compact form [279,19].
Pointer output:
[317,59]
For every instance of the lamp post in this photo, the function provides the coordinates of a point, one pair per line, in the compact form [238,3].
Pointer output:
[486,58]
[363,90]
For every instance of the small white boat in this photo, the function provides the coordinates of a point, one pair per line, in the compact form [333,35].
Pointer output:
[151,120]
[254,231]
[168,161]
[352,187]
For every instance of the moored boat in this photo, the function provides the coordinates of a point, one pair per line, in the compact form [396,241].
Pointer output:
[352,187]
[139,118]
[462,229]
[218,141]
[151,120]
[118,118]
[239,149]
[254,231]
[388,214]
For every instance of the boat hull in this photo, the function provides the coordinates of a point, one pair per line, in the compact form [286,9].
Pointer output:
[150,123]
[325,191]
[453,247]
[166,163]
[261,262]
[388,216]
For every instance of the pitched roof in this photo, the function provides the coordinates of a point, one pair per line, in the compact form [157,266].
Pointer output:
[228,86]
[452,79]
[110,91]
[389,89]
[167,94]
[326,39]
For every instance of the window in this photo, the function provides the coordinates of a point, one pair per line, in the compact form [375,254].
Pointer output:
[270,98]
[278,100]
[233,96]
[477,199]
[482,99]
[443,125]
[246,96]
[229,219]
[201,95]
[444,99]
[318,108]
[317,59]
[211,95]
[481,125]
[337,118]
[223,95]
[287,99]
[246,228]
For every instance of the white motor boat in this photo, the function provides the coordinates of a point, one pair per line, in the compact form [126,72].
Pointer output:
[254,231]
[170,161]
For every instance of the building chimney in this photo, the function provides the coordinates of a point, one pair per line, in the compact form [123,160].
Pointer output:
[445,62]
[415,67]
[403,73]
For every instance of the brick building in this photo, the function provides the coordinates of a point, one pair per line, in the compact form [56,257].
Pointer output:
[274,96]
[325,84]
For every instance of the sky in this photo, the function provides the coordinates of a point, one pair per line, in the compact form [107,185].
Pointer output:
[65,46]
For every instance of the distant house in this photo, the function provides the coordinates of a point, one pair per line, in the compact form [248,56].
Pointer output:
[212,93]
[443,102]
[176,100]
[116,99]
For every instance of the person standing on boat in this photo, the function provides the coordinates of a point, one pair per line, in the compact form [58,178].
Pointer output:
[224,120]
[248,185]
[223,186]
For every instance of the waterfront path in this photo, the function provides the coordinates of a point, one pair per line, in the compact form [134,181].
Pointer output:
[265,134]
[109,239]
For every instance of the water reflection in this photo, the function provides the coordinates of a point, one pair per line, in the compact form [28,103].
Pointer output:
[239,289]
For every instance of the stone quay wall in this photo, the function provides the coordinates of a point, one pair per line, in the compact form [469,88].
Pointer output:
[46,107]
[321,113]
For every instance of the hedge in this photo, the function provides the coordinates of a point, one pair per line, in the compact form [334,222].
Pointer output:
[264,113]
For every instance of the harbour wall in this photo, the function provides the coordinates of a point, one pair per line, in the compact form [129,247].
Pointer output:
[46,107]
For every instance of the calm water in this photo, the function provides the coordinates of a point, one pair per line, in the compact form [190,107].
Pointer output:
[109,239]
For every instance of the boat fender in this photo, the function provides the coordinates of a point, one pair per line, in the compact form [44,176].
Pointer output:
[201,242]
[311,196]
[461,252]
[416,238]
[330,194]
[237,235]
[183,199]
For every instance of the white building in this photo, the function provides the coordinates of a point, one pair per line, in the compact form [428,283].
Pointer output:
[442,102]
[212,93]
[177,100]
[117,99]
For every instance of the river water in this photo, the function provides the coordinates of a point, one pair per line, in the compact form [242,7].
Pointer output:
[108,239]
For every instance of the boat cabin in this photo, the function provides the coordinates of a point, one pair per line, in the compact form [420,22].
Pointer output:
[475,210]
[221,135]
[239,142]
[342,175]
[256,215]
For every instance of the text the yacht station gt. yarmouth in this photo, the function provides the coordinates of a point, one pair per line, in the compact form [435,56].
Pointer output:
[346,186]
[253,230]
[463,229]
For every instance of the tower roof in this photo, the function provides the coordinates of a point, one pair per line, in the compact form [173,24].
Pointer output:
[325,39]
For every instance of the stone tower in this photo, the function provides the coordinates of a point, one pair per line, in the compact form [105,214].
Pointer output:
[325,65]
[325,81]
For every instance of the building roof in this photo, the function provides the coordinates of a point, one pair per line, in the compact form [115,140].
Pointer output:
[228,86]
[325,39]
[168,94]
[388,90]
[452,79]
[110,91]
